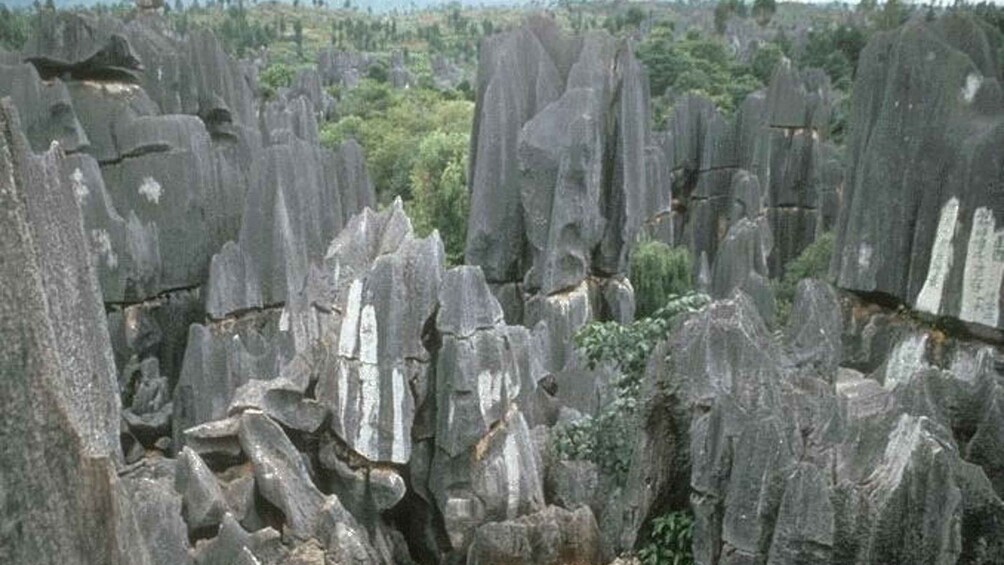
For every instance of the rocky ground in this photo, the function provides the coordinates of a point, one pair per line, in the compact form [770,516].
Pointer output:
[215,351]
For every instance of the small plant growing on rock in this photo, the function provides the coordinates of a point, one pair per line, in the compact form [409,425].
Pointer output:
[658,273]
[606,439]
[813,262]
[670,540]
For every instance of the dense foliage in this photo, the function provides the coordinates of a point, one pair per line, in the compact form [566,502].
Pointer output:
[670,540]
[606,439]
[813,262]
[15,26]
[658,272]
[439,190]
[695,64]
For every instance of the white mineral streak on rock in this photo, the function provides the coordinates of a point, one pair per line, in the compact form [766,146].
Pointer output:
[489,394]
[399,452]
[929,299]
[369,390]
[510,455]
[350,325]
[981,284]
[80,189]
[151,189]
[972,86]
[905,359]
[103,247]
[864,256]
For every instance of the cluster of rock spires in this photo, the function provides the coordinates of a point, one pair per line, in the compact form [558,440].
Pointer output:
[751,193]
[281,375]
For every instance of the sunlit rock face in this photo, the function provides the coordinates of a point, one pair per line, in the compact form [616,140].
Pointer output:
[922,217]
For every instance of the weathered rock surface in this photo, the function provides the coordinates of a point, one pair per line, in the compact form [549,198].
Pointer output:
[552,536]
[62,499]
[927,107]
[784,467]
[770,164]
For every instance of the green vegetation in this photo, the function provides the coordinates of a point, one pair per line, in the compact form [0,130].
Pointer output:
[813,262]
[694,64]
[607,439]
[439,190]
[274,77]
[15,26]
[658,272]
[670,541]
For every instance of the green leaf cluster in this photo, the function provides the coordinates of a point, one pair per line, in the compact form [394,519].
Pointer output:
[658,272]
[607,439]
[670,541]
[813,262]
[695,64]
[15,26]
[416,142]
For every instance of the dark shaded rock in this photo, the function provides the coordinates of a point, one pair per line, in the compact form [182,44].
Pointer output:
[82,45]
[235,546]
[217,363]
[558,157]
[45,108]
[571,484]
[927,106]
[62,499]
[158,510]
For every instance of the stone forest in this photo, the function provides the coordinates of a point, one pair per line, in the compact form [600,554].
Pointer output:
[557,283]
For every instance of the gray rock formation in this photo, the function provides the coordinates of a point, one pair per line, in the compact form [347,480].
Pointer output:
[550,189]
[771,162]
[779,465]
[552,536]
[63,501]
[903,232]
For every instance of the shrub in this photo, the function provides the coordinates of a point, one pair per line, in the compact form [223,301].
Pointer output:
[813,262]
[439,190]
[658,272]
[670,541]
[276,76]
[607,439]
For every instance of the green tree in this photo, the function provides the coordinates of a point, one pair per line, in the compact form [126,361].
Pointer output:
[14,28]
[670,540]
[274,77]
[439,190]
[658,272]
[298,37]
[694,65]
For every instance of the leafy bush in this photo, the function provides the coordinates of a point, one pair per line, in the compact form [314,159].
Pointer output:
[274,77]
[695,65]
[15,26]
[607,439]
[765,60]
[813,262]
[658,272]
[391,125]
[439,190]
[670,541]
